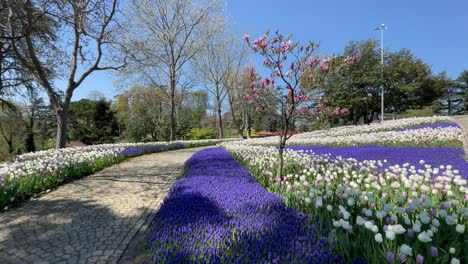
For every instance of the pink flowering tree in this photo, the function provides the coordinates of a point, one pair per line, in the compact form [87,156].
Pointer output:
[325,114]
[295,73]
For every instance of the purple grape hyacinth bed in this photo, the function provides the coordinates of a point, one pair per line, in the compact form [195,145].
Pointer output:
[218,213]
[396,155]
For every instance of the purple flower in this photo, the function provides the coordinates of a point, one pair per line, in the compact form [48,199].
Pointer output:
[433,251]
[402,257]
[419,259]
[390,256]
[434,156]
[218,205]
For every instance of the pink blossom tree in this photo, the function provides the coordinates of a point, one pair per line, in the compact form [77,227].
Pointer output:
[295,74]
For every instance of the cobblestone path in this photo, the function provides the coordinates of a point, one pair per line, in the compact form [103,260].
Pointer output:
[462,120]
[97,219]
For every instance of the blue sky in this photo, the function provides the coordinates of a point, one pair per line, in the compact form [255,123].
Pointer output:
[435,31]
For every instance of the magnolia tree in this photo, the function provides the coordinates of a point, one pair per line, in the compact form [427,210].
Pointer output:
[295,75]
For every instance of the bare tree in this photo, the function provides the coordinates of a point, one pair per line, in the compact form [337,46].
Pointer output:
[165,35]
[77,35]
[218,69]
[241,110]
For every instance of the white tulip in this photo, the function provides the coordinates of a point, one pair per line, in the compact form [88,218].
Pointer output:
[378,238]
[424,237]
[390,235]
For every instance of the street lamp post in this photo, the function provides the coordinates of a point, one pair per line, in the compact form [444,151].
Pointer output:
[382,28]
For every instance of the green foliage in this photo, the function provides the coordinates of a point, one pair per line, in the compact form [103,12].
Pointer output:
[201,133]
[423,112]
[453,100]
[92,122]
[408,82]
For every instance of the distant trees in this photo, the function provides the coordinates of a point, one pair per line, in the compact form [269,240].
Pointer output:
[164,36]
[92,121]
[218,69]
[143,114]
[408,82]
[453,99]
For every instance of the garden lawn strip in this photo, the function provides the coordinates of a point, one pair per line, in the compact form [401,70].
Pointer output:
[436,157]
[218,213]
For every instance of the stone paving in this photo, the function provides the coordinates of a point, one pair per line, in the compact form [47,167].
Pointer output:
[97,219]
[462,120]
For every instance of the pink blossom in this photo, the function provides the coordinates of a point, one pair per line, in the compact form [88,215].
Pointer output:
[324,68]
[246,37]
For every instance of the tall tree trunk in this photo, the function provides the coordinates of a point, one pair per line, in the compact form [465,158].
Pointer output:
[29,141]
[62,119]
[282,144]
[220,118]
[247,124]
[238,123]
[173,110]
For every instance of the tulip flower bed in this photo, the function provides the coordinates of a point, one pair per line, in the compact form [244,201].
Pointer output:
[436,157]
[438,125]
[218,213]
[378,212]
[427,132]
[33,173]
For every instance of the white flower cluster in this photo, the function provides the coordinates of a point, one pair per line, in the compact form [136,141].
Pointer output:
[52,161]
[381,134]
[360,196]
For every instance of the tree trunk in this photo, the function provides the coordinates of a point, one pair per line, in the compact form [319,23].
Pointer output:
[62,118]
[247,124]
[220,120]
[10,146]
[282,144]
[173,112]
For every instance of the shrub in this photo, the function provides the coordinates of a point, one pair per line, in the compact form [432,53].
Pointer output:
[201,133]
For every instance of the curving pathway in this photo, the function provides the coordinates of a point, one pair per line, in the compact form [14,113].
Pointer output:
[97,219]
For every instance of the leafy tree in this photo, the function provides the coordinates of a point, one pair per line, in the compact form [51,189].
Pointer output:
[462,83]
[452,102]
[408,82]
[31,109]
[144,113]
[357,87]
[11,130]
[92,121]
[198,102]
